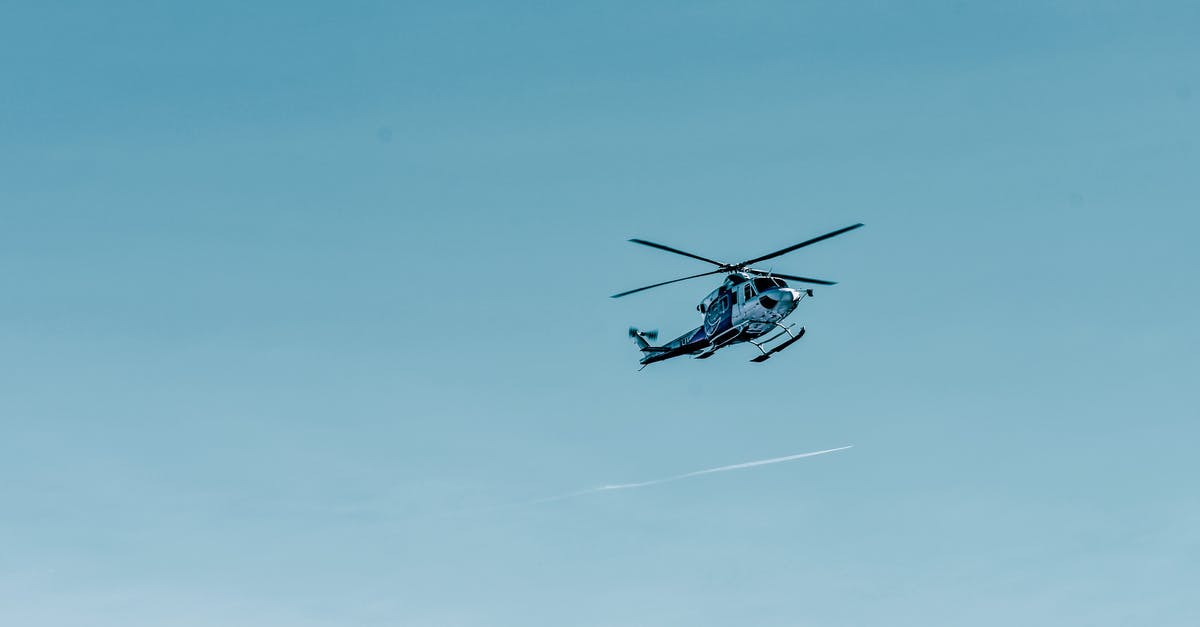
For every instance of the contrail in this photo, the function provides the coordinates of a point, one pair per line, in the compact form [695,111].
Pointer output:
[642,484]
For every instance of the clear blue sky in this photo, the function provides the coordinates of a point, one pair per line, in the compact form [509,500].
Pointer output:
[296,299]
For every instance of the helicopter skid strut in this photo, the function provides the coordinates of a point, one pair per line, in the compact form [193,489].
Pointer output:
[766,354]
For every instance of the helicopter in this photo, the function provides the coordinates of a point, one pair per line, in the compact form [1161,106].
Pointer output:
[748,305]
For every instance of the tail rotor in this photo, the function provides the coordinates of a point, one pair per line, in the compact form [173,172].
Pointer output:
[641,337]
[652,334]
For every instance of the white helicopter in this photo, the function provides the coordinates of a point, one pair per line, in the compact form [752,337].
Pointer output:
[749,304]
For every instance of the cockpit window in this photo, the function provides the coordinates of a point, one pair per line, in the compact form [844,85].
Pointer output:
[747,293]
[763,284]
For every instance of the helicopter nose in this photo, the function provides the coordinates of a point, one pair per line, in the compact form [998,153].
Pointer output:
[788,299]
[782,299]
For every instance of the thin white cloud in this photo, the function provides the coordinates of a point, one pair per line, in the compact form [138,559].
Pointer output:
[707,471]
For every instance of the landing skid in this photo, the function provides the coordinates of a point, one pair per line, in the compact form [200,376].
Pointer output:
[766,354]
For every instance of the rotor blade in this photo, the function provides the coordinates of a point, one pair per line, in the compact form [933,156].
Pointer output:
[674,250]
[800,245]
[791,277]
[694,276]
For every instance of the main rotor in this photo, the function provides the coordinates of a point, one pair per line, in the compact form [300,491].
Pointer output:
[745,266]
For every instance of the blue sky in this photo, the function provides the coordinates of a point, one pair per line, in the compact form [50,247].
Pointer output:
[301,299]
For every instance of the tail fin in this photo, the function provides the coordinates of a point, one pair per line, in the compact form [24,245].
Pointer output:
[641,336]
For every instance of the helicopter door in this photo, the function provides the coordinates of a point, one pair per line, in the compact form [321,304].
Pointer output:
[745,297]
[717,316]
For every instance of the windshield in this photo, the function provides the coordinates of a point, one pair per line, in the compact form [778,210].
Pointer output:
[764,283]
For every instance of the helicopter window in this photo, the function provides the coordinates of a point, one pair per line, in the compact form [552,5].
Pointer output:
[747,293]
[764,284]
